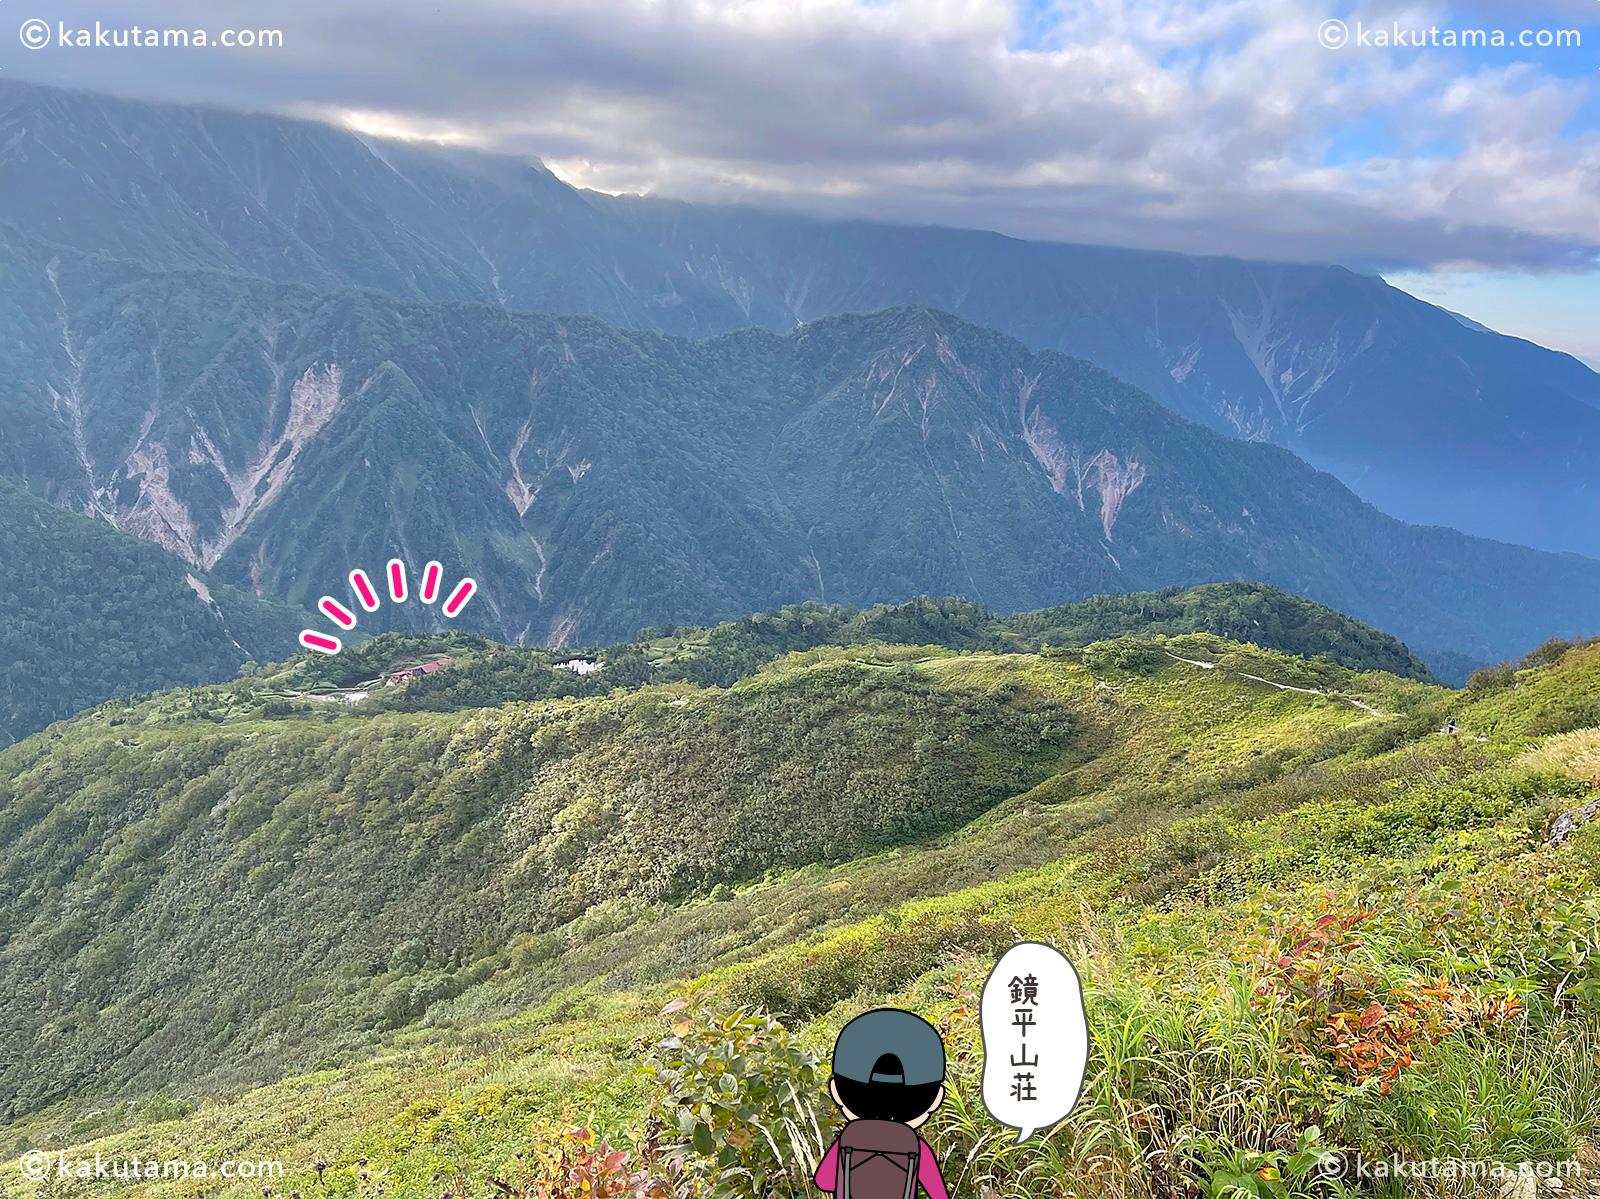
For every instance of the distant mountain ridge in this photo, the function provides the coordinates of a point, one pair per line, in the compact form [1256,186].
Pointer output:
[596,480]
[1433,420]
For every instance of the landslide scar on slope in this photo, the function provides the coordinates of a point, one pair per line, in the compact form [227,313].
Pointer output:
[1116,481]
[158,515]
[1040,433]
[1065,463]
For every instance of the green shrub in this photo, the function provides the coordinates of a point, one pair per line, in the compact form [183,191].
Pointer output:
[1228,1172]
[1492,678]
[806,983]
[743,1100]
[1126,654]
[1565,716]
[1553,651]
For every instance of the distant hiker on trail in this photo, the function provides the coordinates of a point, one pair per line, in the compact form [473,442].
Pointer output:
[1451,727]
[888,1078]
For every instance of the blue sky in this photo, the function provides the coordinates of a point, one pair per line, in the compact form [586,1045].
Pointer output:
[1470,176]
[1558,310]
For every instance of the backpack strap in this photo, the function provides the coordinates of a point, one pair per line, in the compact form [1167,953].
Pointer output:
[912,1163]
[844,1173]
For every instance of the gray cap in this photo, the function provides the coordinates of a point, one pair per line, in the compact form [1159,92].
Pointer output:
[889,1030]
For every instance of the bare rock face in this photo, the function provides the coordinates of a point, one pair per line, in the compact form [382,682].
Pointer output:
[239,492]
[1564,825]
[1116,481]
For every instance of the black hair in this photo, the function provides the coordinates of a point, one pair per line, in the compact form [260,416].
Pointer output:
[886,1100]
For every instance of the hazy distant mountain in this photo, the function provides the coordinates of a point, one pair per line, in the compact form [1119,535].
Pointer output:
[596,480]
[1432,419]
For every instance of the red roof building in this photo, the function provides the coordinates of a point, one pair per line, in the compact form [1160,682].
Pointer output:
[416,672]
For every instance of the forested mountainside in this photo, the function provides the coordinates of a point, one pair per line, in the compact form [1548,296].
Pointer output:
[1433,419]
[596,480]
[88,613]
[91,613]
[469,941]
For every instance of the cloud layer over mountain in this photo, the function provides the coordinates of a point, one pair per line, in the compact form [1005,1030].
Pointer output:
[1187,124]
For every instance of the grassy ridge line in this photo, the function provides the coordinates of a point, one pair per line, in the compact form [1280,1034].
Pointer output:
[1159,908]
[1251,613]
[483,674]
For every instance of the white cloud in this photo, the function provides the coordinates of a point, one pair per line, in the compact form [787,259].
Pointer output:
[1202,125]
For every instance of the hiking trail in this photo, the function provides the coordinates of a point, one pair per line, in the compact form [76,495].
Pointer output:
[1283,686]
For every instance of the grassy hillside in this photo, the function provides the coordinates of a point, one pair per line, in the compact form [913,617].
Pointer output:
[280,855]
[1304,918]
[87,613]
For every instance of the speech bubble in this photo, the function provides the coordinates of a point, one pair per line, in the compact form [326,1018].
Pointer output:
[1035,1038]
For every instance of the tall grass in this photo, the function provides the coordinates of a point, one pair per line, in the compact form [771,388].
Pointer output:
[1575,753]
[1311,1027]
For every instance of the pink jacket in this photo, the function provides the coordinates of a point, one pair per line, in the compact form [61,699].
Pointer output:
[927,1171]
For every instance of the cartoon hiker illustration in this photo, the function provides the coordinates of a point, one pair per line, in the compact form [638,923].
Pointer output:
[888,1078]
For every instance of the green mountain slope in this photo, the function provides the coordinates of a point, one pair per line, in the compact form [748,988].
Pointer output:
[596,481]
[465,926]
[483,674]
[247,879]
[1248,612]
[87,613]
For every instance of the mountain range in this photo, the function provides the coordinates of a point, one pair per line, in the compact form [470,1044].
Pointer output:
[279,350]
[1434,419]
[595,479]
[564,912]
